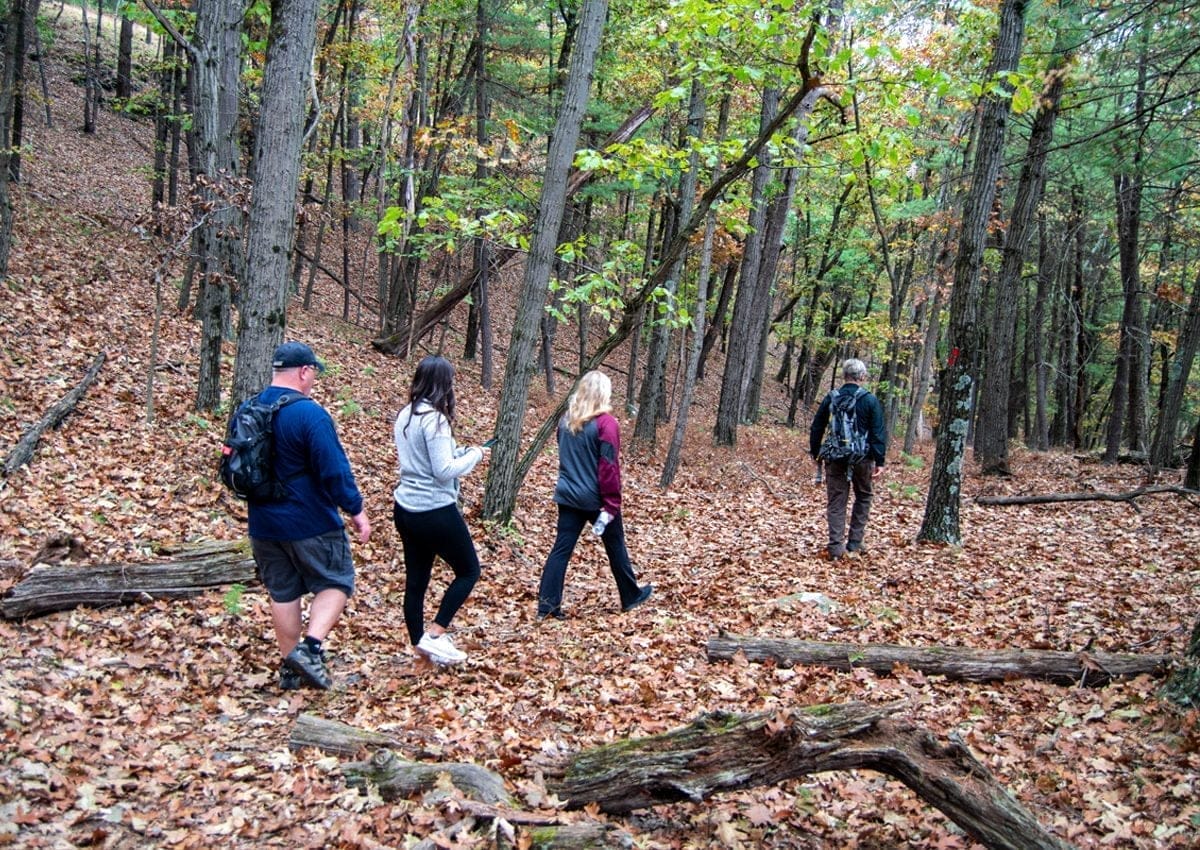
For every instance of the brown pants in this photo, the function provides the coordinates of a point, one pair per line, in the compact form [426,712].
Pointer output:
[837,489]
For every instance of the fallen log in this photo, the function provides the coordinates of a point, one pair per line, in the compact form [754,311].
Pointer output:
[23,451]
[338,739]
[189,571]
[1048,498]
[954,662]
[722,752]
[396,777]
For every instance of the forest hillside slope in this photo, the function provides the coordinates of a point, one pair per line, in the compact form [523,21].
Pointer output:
[160,724]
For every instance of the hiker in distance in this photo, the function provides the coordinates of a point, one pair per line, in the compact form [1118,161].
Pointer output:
[589,490]
[849,436]
[299,540]
[425,507]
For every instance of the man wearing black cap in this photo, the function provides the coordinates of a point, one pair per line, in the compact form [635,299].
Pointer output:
[300,543]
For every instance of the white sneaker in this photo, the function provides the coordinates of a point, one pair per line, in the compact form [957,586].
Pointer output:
[441,649]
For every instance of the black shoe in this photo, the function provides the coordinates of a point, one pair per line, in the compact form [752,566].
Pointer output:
[309,666]
[556,614]
[289,680]
[857,547]
[642,596]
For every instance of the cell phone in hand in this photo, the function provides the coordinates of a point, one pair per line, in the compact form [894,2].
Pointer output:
[490,443]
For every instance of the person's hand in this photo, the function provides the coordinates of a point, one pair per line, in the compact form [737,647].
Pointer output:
[878,471]
[362,525]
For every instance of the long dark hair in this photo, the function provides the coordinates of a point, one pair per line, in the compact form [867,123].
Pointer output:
[433,382]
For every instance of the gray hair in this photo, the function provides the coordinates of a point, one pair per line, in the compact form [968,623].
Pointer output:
[854,369]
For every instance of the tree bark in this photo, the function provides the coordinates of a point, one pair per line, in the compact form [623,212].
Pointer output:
[957,385]
[503,478]
[263,310]
[722,752]
[191,571]
[991,444]
[959,663]
[54,417]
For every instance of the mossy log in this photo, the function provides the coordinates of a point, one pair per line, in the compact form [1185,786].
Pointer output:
[954,662]
[185,572]
[722,752]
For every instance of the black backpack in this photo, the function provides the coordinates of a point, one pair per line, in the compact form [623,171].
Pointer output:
[248,455]
[845,440]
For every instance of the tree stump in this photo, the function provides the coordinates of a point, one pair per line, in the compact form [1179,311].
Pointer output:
[954,662]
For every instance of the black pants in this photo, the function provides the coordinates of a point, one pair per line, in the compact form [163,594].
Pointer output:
[570,523]
[426,535]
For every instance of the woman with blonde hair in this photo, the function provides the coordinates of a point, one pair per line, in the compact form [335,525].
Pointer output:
[589,490]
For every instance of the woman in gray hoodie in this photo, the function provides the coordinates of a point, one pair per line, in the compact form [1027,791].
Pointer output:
[426,507]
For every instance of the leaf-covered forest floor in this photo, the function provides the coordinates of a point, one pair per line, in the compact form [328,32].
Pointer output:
[160,724]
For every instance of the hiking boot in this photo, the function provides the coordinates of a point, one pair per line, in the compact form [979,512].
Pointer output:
[289,680]
[643,595]
[309,666]
[440,649]
[857,547]
[556,614]
[836,551]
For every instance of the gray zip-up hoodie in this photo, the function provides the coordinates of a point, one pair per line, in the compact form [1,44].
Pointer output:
[430,462]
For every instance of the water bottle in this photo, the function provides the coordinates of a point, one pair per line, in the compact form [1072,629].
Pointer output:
[820,477]
[601,523]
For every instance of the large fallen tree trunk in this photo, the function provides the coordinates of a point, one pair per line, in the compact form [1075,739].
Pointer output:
[188,572]
[726,752]
[54,417]
[1048,498]
[722,752]
[954,662]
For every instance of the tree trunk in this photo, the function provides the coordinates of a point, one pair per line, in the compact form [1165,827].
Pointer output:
[721,752]
[191,571]
[743,327]
[125,60]
[800,104]
[991,444]
[1162,453]
[503,477]
[941,521]
[651,403]
[700,308]
[263,309]
[958,663]
[12,24]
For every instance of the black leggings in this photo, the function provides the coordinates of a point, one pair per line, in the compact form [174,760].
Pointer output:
[427,535]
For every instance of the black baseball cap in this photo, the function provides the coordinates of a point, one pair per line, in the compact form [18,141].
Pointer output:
[291,355]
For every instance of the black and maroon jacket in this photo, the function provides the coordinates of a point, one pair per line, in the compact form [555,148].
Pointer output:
[589,467]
